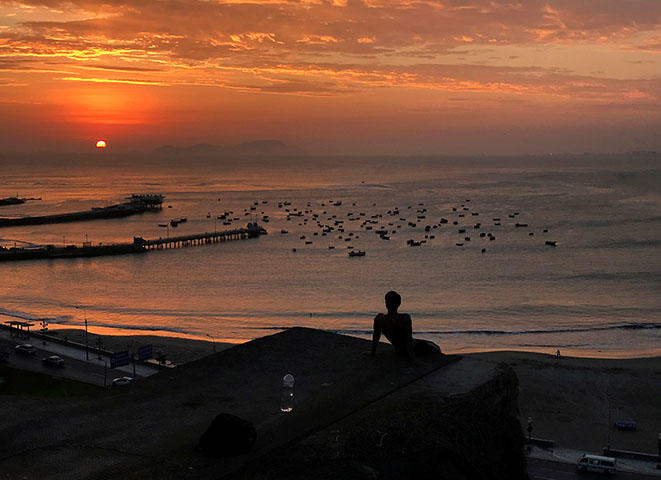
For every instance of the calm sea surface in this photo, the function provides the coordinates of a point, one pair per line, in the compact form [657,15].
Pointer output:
[598,292]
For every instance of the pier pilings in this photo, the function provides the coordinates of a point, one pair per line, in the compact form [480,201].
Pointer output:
[201,238]
[139,245]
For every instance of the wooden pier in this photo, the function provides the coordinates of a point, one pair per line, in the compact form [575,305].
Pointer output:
[139,245]
[136,204]
[251,231]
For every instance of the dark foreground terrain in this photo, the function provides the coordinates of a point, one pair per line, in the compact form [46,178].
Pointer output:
[355,417]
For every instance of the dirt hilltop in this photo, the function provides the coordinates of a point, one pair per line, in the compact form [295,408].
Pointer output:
[355,416]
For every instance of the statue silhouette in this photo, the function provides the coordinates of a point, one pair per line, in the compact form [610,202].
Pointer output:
[398,329]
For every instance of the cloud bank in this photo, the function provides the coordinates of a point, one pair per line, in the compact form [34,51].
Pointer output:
[594,54]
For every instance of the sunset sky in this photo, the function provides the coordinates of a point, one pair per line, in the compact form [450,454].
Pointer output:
[333,76]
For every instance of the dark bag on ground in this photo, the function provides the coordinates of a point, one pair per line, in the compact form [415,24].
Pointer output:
[425,347]
[228,435]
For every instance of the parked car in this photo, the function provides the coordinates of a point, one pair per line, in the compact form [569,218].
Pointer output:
[53,361]
[120,381]
[628,424]
[595,463]
[25,349]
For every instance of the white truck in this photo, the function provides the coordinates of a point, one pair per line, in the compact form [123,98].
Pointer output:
[595,463]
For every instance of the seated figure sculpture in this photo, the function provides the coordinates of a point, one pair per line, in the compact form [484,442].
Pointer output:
[398,329]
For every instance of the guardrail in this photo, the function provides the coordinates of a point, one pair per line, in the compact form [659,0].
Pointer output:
[540,442]
[615,452]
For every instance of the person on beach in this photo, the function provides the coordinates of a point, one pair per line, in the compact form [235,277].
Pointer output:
[398,329]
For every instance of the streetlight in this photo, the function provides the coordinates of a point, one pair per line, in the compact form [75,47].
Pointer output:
[529,428]
[44,329]
[99,346]
[213,341]
[87,350]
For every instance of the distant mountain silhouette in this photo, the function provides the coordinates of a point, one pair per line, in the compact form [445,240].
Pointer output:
[256,148]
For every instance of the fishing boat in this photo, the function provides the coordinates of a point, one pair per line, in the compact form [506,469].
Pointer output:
[11,201]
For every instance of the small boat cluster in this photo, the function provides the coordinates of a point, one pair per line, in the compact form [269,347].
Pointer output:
[343,223]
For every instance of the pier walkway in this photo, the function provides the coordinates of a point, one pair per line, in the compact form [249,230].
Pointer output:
[137,203]
[139,245]
[251,231]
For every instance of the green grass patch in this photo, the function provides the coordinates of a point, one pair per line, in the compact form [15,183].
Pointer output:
[23,382]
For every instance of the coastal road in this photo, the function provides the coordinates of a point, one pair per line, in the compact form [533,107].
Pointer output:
[92,371]
[539,469]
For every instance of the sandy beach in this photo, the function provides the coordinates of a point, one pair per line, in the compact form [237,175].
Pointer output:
[567,398]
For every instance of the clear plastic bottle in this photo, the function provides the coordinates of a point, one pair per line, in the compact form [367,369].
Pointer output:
[287,397]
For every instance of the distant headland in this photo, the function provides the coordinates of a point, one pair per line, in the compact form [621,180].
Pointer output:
[247,149]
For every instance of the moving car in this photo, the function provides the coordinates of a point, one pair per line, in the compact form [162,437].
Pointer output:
[25,349]
[595,463]
[53,361]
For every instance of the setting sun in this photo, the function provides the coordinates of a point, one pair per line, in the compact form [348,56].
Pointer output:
[101,144]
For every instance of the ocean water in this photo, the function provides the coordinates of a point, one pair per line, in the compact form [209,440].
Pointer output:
[598,292]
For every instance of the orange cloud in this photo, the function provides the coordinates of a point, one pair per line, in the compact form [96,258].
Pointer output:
[400,51]
[317,39]
[111,80]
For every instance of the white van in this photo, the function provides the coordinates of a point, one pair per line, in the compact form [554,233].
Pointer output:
[595,463]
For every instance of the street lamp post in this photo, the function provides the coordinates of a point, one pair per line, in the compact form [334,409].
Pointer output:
[44,329]
[87,350]
[610,423]
[213,341]
[529,428]
[99,346]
